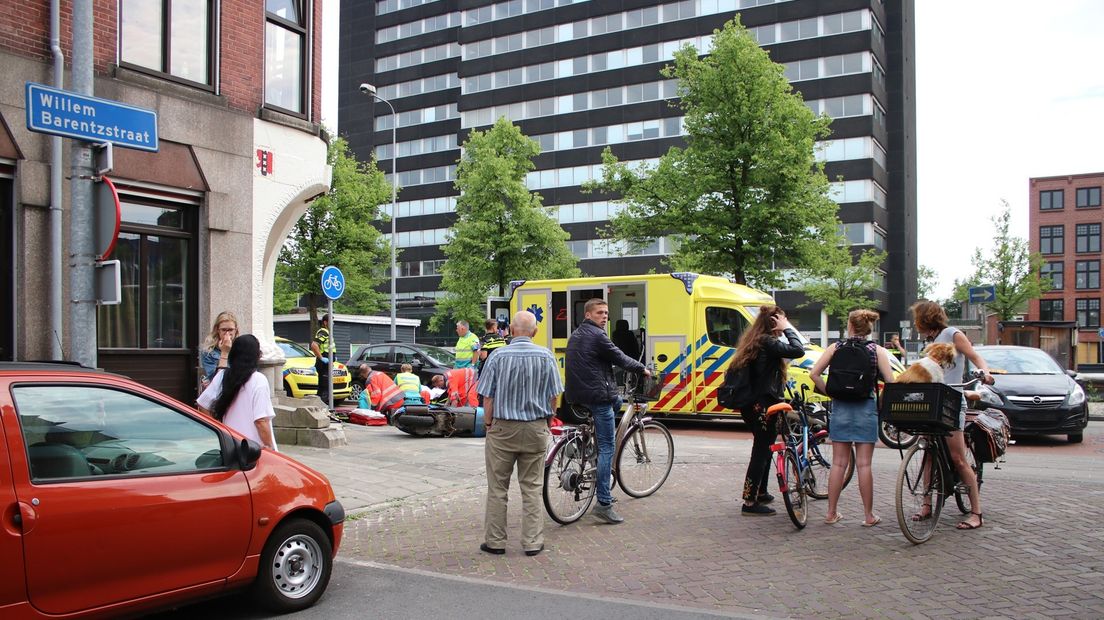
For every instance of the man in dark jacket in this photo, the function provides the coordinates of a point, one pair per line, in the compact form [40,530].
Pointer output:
[591,356]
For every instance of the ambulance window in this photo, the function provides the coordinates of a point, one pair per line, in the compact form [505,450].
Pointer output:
[559,314]
[724,325]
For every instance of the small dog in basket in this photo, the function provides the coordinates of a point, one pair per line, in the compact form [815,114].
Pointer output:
[940,356]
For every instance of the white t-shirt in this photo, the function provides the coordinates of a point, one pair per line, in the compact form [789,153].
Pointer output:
[253,402]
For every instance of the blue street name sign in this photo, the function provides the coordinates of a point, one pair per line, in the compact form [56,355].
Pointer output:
[62,113]
[333,282]
[983,294]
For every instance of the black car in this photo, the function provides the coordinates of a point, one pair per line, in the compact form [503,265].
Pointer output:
[388,357]
[1038,397]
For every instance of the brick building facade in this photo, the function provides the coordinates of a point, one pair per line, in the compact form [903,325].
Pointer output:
[236,85]
[1065,220]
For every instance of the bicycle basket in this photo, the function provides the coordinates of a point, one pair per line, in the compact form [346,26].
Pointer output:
[643,388]
[921,407]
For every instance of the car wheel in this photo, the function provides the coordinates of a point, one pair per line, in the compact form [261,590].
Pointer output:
[295,567]
[354,391]
[1075,437]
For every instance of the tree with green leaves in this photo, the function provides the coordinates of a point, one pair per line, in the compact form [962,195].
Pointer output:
[337,229]
[926,280]
[502,231]
[1011,267]
[839,280]
[746,189]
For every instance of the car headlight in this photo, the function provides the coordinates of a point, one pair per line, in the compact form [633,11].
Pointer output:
[989,396]
[1077,396]
[304,371]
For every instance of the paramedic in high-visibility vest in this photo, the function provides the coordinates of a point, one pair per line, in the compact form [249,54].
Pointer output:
[320,346]
[410,385]
[466,345]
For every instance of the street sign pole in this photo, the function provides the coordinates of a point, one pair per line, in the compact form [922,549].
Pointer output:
[333,285]
[330,353]
[82,258]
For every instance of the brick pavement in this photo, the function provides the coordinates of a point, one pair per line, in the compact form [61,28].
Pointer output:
[1039,554]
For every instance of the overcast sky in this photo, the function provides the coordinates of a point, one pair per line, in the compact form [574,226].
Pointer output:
[1006,90]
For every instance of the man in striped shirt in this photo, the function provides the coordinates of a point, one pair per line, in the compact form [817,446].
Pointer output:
[519,386]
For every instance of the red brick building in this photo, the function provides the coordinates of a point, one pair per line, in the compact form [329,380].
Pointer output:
[236,86]
[1065,222]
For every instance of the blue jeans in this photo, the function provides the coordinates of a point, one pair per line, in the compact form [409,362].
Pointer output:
[604,434]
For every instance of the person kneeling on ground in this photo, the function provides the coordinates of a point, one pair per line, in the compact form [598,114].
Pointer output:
[411,385]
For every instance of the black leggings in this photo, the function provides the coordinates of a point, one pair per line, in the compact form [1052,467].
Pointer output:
[758,471]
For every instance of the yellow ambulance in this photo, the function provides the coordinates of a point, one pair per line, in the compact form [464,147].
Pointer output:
[686,325]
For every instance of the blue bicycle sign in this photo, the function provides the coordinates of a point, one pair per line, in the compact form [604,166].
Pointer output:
[333,282]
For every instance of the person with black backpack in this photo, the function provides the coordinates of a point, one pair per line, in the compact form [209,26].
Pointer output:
[761,361]
[853,365]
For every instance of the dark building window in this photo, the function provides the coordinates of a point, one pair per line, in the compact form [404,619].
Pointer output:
[1050,200]
[1088,197]
[154,250]
[1053,270]
[1088,238]
[1088,312]
[1087,274]
[1051,310]
[286,55]
[1051,239]
[173,37]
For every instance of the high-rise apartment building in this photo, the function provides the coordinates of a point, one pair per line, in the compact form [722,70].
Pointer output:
[1064,221]
[581,75]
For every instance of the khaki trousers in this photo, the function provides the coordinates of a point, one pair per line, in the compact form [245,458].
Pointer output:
[524,443]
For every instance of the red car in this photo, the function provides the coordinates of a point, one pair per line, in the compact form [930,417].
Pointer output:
[116,499]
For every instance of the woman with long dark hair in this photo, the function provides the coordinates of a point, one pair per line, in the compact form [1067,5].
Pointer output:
[240,396]
[761,347]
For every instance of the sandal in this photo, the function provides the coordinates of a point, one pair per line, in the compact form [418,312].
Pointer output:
[872,523]
[966,525]
[835,519]
[924,514]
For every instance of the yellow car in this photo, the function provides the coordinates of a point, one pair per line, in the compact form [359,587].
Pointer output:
[301,378]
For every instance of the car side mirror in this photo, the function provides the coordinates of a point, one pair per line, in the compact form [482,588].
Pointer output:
[1071,373]
[249,452]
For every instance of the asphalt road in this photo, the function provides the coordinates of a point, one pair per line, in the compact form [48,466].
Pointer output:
[367,590]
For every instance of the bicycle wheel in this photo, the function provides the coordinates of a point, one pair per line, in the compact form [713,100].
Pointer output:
[894,437]
[644,459]
[793,491]
[568,482]
[820,465]
[962,495]
[920,492]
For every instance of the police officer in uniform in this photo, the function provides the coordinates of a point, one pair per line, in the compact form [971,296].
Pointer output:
[320,346]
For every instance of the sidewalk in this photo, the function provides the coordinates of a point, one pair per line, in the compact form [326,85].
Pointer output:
[418,504]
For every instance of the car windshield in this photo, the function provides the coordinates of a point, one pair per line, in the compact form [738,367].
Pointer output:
[1020,361]
[441,356]
[291,349]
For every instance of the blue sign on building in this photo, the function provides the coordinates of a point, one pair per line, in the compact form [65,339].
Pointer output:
[62,113]
[982,294]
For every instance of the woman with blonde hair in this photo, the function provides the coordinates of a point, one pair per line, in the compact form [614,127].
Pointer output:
[761,347]
[214,353]
[854,422]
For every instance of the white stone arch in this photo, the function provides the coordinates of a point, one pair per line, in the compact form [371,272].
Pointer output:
[269,239]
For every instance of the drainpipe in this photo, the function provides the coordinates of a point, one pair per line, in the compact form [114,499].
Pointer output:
[57,174]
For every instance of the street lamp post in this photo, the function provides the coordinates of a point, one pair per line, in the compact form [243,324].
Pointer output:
[370,90]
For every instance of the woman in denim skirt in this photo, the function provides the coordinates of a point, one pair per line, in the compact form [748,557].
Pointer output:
[854,422]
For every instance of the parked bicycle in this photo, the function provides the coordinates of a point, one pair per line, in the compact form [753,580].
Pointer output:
[801,465]
[927,476]
[642,459]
